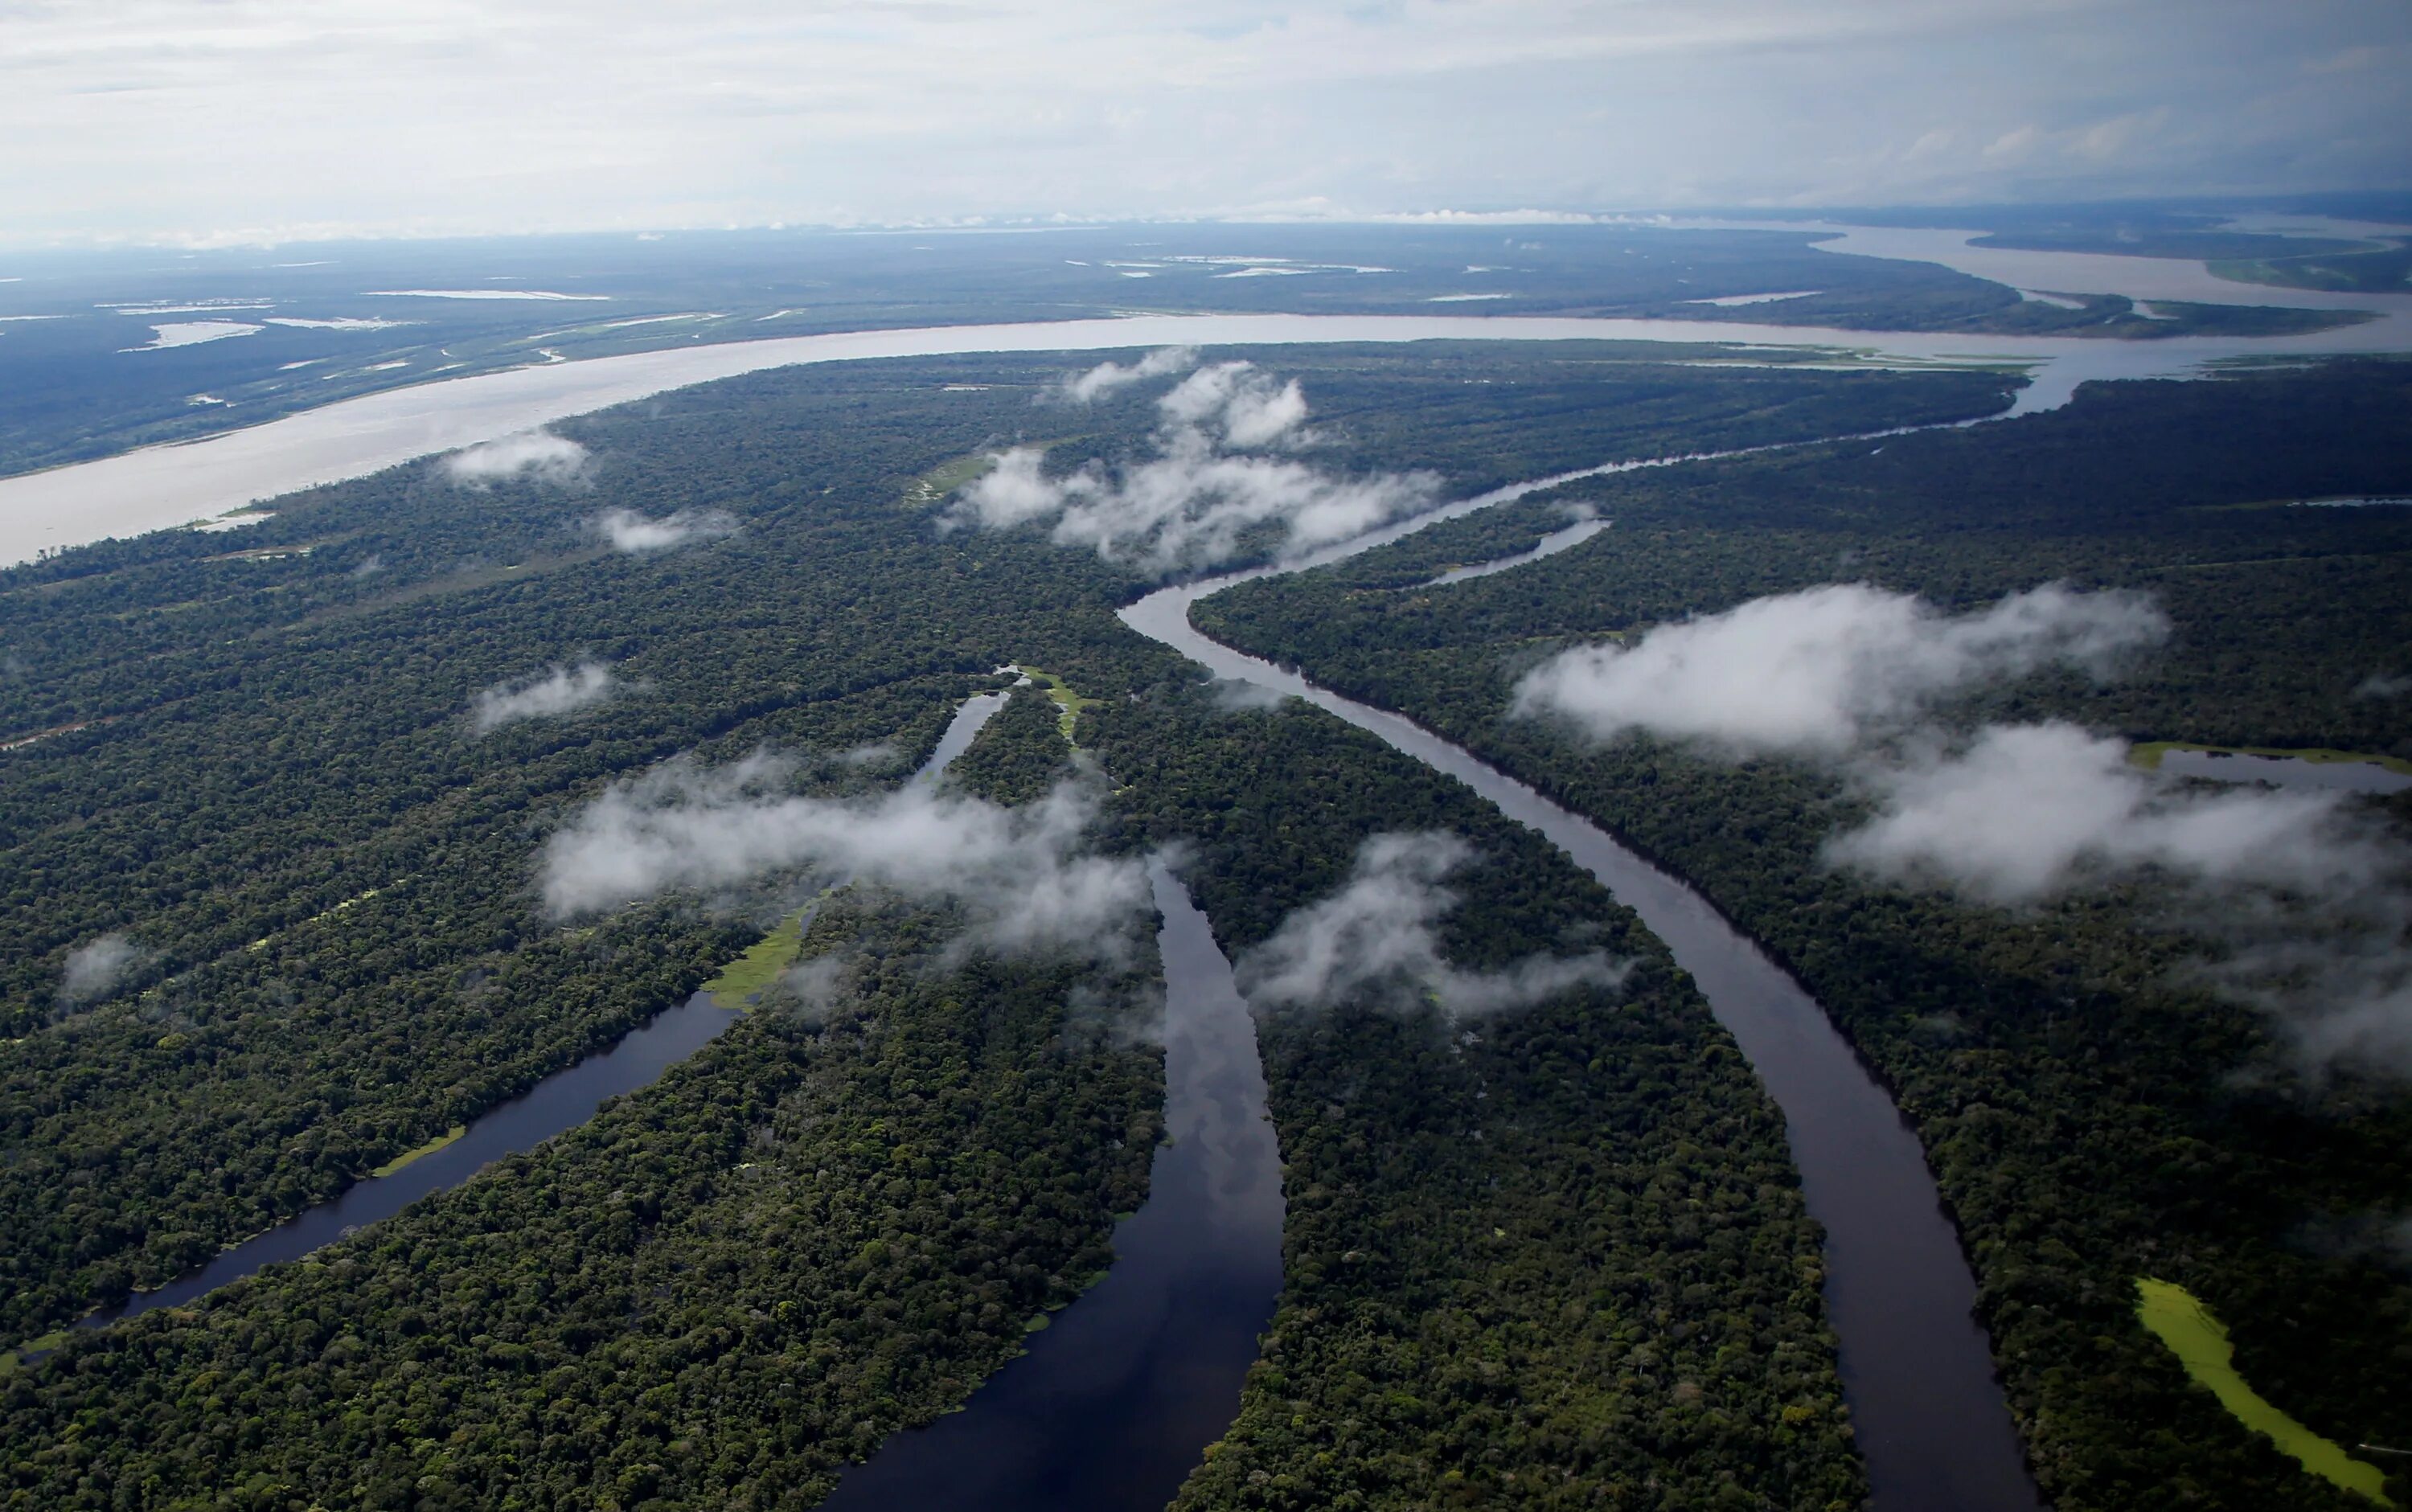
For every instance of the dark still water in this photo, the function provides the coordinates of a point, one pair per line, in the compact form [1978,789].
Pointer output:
[1932,1422]
[559,1102]
[2285,772]
[1115,1404]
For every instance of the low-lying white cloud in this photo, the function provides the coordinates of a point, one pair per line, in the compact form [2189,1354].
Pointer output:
[2337,974]
[93,969]
[1250,407]
[1194,502]
[1821,670]
[1238,696]
[628,531]
[549,695]
[1109,379]
[537,456]
[2027,810]
[1025,877]
[1375,935]
[2382,685]
[2300,901]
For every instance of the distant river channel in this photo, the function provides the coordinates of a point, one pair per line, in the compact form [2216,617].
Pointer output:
[156,488]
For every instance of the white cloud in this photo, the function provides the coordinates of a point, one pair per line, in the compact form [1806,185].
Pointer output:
[1191,503]
[628,531]
[2025,811]
[1375,935]
[2382,685]
[1238,696]
[538,456]
[93,969]
[1025,877]
[1108,378]
[1821,670]
[1250,408]
[2302,902]
[549,693]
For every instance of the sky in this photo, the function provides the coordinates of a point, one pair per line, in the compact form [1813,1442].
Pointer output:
[227,121]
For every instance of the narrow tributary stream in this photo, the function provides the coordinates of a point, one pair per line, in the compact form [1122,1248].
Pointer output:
[557,1104]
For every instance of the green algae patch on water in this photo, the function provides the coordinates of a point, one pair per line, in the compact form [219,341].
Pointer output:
[422,1153]
[752,973]
[2200,1342]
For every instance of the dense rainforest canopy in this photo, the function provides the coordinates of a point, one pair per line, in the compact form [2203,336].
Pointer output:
[1555,1257]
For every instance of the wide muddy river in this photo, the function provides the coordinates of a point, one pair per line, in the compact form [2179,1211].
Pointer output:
[158,487]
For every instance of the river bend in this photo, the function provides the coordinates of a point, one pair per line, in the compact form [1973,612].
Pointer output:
[1114,1404]
[1931,1419]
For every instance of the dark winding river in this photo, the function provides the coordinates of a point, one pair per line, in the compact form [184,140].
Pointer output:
[1113,1404]
[1932,1422]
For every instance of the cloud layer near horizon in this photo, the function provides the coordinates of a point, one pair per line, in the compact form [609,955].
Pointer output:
[173,117]
[1206,486]
[1375,936]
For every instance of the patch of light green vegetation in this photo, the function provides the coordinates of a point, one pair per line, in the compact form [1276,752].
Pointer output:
[422,1153]
[943,480]
[2148,755]
[9,1359]
[2200,1342]
[1070,702]
[762,963]
[262,943]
